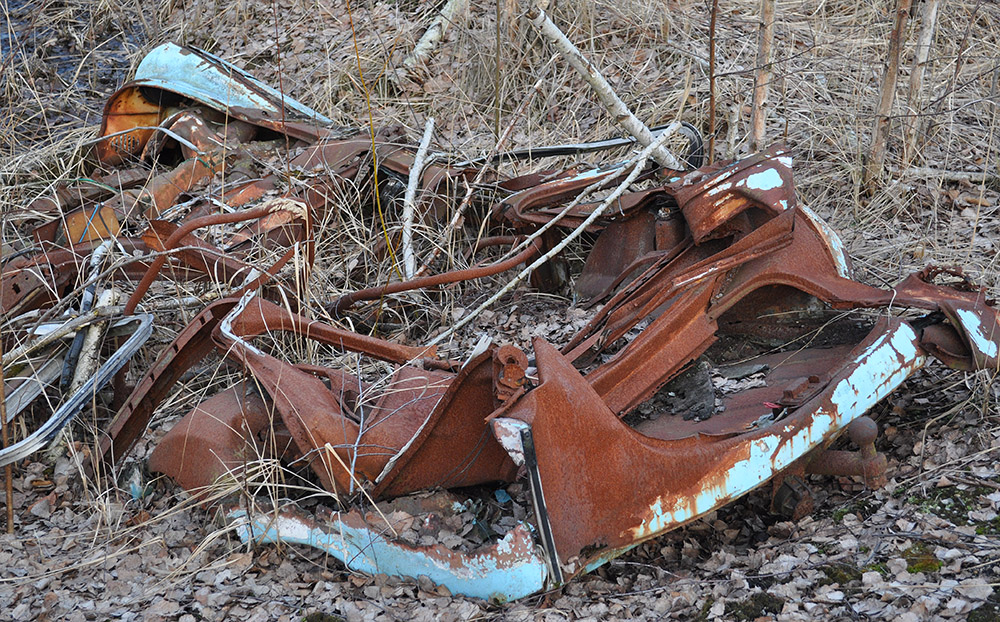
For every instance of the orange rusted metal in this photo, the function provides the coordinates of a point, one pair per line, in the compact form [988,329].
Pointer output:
[704,278]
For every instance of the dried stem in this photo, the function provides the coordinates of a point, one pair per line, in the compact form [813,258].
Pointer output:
[409,199]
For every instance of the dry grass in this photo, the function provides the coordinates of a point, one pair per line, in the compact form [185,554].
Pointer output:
[60,64]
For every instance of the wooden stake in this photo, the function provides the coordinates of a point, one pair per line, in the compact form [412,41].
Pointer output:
[762,80]
[880,134]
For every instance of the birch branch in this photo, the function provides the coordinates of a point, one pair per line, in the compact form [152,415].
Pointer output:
[409,199]
[640,164]
[602,88]
[880,135]
[425,46]
[762,80]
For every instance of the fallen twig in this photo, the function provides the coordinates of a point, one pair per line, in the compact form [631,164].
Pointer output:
[972,177]
[425,46]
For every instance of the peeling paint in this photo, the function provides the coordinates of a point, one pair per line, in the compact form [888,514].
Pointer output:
[833,242]
[974,329]
[881,367]
[508,570]
[209,79]
[765,180]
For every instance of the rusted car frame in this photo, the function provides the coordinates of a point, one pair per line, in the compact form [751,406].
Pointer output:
[566,430]
[717,268]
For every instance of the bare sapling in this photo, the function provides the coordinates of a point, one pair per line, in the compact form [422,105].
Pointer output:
[928,19]
[880,135]
[762,78]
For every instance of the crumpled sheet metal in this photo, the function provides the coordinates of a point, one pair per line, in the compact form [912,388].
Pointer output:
[425,428]
[507,570]
[608,487]
[194,74]
[710,253]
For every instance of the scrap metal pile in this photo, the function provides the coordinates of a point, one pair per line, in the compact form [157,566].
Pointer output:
[719,354]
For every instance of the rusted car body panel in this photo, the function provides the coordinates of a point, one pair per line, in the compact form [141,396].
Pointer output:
[713,269]
[509,569]
[607,486]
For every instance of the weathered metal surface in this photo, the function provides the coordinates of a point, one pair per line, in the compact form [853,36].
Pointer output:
[979,326]
[751,256]
[218,438]
[427,429]
[179,234]
[608,487]
[170,72]
[189,347]
[762,181]
[507,570]
[866,463]
[717,256]
[97,223]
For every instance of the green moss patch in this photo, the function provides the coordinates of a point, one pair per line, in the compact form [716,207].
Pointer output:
[919,558]
[755,606]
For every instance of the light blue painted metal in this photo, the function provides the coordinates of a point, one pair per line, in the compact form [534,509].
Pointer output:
[509,569]
[878,370]
[206,78]
[834,245]
[973,326]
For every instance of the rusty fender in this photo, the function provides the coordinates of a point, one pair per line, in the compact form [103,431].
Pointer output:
[608,488]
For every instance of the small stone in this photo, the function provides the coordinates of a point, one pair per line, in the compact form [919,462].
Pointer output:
[872,579]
